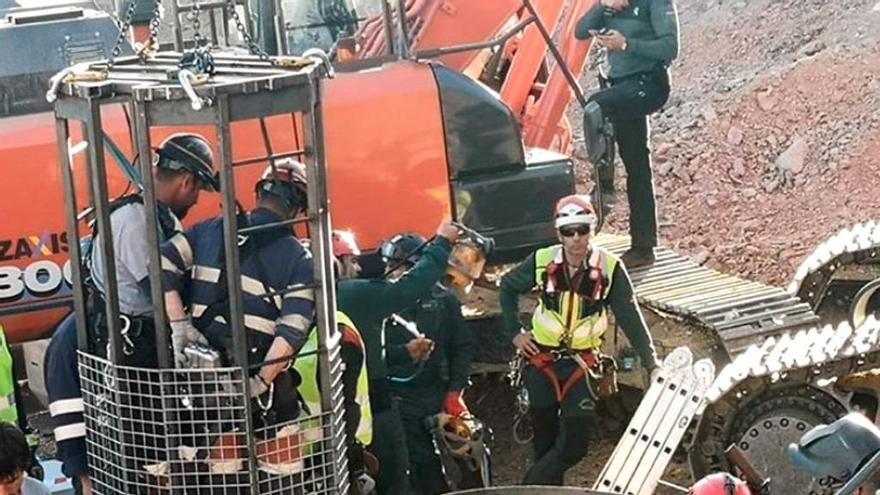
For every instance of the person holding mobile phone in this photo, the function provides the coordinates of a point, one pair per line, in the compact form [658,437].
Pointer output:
[642,39]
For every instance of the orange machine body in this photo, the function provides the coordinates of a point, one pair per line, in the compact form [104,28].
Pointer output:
[529,80]
[407,143]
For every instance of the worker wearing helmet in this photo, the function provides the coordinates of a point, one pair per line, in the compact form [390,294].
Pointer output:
[183,167]
[641,38]
[345,254]
[271,260]
[426,388]
[578,283]
[720,484]
[369,303]
[355,382]
[845,450]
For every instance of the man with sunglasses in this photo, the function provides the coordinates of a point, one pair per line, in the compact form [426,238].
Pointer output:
[578,283]
[183,167]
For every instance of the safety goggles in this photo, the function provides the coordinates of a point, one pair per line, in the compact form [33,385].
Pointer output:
[571,230]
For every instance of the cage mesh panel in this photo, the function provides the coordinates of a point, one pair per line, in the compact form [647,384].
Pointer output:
[184,431]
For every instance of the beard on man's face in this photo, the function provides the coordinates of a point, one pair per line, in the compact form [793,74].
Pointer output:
[181,210]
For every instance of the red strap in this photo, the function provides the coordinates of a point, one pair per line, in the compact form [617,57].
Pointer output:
[575,377]
[542,361]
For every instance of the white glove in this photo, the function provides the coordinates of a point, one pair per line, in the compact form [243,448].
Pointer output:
[257,386]
[184,333]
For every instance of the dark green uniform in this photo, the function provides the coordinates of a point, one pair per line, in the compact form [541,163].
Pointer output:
[651,31]
[562,424]
[421,388]
[639,86]
[368,303]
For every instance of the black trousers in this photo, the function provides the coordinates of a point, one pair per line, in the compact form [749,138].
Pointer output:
[389,446]
[628,102]
[561,428]
[426,475]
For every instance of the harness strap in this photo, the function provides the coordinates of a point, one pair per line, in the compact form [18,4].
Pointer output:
[587,362]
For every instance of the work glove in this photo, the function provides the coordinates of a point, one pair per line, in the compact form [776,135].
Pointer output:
[454,405]
[257,386]
[184,333]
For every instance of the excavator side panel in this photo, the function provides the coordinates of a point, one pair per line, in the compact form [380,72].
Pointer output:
[386,152]
[34,276]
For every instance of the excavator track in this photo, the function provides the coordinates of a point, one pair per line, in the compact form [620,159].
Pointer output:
[782,357]
[850,257]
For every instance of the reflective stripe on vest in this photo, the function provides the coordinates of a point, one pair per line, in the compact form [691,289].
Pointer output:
[8,411]
[565,327]
[307,367]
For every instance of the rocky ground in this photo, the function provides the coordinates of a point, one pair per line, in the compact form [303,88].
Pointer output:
[770,142]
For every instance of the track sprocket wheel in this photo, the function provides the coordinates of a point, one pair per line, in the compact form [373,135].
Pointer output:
[763,420]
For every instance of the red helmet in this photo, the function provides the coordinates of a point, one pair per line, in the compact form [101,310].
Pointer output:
[344,244]
[720,484]
[575,209]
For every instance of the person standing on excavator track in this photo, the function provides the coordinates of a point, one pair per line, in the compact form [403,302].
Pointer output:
[183,167]
[641,37]
[566,375]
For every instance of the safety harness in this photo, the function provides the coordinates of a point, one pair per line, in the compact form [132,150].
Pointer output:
[135,328]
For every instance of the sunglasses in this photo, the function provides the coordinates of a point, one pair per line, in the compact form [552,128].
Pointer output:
[580,230]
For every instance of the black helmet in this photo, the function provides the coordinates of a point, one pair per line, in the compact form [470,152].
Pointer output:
[189,152]
[402,247]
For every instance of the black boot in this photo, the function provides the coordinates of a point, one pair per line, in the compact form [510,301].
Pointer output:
[638,256]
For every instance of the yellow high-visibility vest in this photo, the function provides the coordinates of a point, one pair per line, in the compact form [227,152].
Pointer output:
[307,367]
[566,327]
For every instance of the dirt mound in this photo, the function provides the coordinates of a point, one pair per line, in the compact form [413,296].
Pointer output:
[771,139]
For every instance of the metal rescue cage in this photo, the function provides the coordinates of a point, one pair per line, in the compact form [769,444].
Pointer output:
[167,430]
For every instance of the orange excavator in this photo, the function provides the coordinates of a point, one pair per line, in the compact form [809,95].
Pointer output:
[414,130]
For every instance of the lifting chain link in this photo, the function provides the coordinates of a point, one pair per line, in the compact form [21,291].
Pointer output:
[253,47]
[153,44]
[123,30]
[195,17]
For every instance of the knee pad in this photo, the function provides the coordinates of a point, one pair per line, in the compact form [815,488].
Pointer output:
[596,136]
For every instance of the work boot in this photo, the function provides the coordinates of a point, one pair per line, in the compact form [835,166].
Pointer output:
[638,256]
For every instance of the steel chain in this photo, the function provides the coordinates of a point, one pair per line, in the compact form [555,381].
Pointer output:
[154,29]
[253,47]
[123,29]
[196,23]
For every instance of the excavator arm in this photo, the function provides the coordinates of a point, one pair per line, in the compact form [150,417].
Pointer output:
[519,65]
